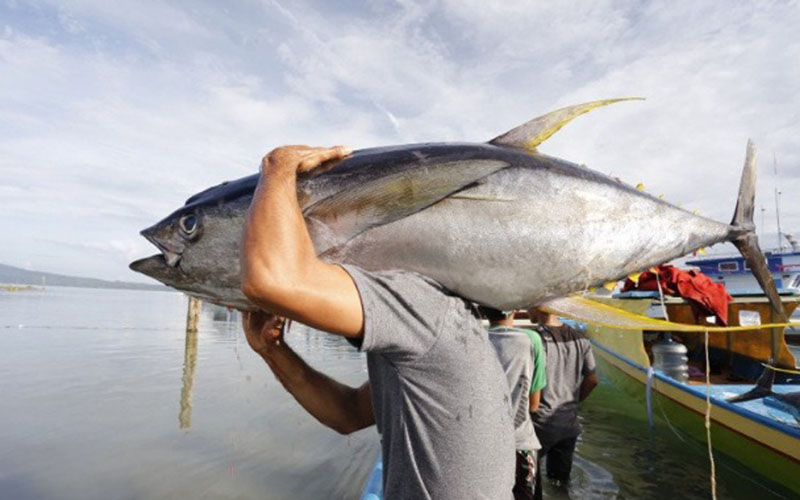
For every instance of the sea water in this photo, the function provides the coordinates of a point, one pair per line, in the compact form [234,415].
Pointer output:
[101,396]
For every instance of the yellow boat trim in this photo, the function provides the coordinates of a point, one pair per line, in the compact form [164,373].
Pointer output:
[590,311]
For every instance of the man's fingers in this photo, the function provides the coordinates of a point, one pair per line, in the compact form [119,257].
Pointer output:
[315,157]
[274,322]
[303,158]
[256,321]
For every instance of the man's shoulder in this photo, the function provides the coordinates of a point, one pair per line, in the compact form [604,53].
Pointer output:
[511,331]
[571,333]
[397,278]
[534,336]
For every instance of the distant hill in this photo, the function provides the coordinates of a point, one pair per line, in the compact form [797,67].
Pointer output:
[18,276]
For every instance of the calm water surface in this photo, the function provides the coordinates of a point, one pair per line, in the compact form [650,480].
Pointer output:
[102,397]
[91,384]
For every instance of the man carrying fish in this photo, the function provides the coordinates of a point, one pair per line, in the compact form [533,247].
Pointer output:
[497,223]
[436,389]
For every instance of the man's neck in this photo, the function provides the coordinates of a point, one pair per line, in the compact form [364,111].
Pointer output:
[553,322]
[507,323]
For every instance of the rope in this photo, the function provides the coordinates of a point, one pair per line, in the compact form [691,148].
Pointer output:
[783,370]
[661,296]
[708,425]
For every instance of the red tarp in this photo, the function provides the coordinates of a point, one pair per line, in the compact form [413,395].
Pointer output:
[705,296]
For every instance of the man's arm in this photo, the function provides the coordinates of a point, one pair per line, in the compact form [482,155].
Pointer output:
[280,269]
[589,371]
[342,408]
[539,377]
[588,384]
[533,401]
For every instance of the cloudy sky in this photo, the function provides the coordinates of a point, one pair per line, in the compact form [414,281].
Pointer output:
[113,113]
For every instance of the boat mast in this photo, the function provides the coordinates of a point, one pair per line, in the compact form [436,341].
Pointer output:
[777,203]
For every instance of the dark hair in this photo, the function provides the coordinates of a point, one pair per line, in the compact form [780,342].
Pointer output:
[492,314]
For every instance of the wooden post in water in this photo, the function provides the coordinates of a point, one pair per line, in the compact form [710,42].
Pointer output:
[189,363]
[193,314]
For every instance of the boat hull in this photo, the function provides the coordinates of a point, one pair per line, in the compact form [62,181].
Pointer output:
[770,449]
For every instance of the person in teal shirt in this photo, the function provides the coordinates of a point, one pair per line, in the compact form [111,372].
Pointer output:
[522,357]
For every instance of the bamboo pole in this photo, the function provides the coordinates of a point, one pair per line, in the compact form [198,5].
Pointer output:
[189,363]
[193,314]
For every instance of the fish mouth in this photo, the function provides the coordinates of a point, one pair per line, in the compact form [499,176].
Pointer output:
[148,263]
[155,267]
[171,256]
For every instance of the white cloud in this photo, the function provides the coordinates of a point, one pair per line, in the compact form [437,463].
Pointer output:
[110,116]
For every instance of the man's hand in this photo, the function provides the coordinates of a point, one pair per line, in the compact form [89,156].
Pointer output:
[264,331]
[342,408]
[298,159]
[281,271]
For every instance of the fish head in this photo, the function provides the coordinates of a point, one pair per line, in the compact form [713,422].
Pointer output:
[202,237]
[176,233]
[200,241]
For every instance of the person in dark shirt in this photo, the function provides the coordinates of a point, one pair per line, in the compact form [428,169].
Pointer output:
[571,378]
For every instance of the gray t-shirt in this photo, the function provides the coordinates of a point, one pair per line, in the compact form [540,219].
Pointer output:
[513,347]
[569,359]
[440,397]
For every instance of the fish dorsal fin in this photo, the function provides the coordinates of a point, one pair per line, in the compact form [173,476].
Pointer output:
[336,219]
[529,135]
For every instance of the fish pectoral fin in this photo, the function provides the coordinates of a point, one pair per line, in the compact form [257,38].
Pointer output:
[476,197]
[384,199]
[529,135]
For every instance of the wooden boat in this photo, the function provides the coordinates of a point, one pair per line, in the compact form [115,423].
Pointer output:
[757,433]
[733,272]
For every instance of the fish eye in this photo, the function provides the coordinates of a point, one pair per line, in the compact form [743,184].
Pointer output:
[188,223]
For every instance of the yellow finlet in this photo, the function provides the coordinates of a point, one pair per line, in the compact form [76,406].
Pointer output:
[529,135]
[635,277]
[640,186]
[610,285]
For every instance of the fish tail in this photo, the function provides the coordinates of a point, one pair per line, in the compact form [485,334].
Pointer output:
[762,388]
[743,233]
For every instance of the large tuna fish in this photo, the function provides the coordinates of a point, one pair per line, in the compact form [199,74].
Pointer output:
[497,223]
